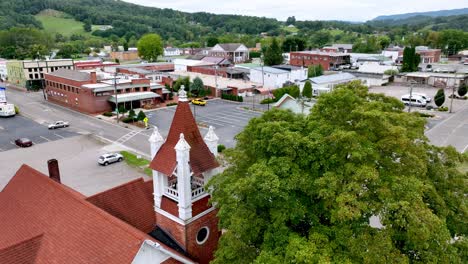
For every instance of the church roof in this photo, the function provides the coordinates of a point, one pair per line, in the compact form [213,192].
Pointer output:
[131,202]
[43,221]
[201,159]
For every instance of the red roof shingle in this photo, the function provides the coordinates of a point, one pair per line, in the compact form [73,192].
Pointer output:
[131,202]
[59,226]
[201,159]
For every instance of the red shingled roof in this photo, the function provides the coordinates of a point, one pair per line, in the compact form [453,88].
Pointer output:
[58,226]
[131,202]
[201,159]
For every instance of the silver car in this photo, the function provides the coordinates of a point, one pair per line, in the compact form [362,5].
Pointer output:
[109,158]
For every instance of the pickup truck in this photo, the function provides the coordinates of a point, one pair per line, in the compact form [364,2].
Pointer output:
[58,124]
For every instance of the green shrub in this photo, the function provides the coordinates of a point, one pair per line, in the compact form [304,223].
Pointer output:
[141,116]
[462,90]
[171,104]
[232,97]
[17,111]
[439,98]
[307,90]
[425,115]
[443,109]
[267,101]
[108,114]
[221,147]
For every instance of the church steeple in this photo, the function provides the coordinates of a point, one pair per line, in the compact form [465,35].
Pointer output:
[181,167]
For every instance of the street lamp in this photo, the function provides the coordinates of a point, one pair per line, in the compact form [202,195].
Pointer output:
[253,97]
[453,94]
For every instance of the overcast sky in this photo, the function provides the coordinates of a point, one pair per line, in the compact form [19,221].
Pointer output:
[349,10]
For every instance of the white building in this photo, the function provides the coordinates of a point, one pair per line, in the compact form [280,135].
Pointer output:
[270,77]
[326,83]
[172,52]
[3,70]
[296,106]
[182,64]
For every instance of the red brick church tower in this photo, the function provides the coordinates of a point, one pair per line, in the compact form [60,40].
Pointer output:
[182,164]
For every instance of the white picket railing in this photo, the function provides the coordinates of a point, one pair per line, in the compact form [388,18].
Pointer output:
[198,192]
[172,193]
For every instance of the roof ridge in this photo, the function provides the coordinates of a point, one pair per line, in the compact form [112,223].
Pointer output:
[116,187]
[23,241]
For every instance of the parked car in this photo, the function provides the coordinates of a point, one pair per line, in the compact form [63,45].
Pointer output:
[109,158]
[58,124]
[424,96]
[199,102]
[23,142]
[415,100]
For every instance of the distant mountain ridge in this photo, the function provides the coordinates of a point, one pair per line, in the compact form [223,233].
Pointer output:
[439,13]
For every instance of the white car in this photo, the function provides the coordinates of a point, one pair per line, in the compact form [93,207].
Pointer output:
[424,96]
[58,124]
[416,100]
[109,158]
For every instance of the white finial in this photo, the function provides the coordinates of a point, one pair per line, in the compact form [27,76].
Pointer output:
[156,136]
[182,145]
[182,94]
[211,135]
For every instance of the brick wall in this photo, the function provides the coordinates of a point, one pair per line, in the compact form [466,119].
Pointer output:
[203,253]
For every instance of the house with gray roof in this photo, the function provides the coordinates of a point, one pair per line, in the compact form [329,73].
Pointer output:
[235,52]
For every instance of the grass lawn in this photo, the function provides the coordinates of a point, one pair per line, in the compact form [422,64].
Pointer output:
[59,22]
[290,29]
[138,163]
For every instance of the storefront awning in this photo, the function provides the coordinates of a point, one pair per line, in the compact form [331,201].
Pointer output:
[129,97]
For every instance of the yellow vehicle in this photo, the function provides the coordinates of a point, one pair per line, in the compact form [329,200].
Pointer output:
[199,102]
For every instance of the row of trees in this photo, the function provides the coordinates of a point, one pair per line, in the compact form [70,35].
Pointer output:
[356,181]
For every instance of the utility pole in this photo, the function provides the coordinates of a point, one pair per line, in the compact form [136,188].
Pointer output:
[115,93]
[410,95]
[451,99]
[263,80]
[216,79]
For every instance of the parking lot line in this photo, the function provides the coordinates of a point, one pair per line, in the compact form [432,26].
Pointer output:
[13,143]
[58,135]
[45,138]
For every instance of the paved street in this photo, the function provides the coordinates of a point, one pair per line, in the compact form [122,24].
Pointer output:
[445,128]
[12,128]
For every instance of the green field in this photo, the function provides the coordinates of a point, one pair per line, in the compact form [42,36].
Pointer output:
[58,22]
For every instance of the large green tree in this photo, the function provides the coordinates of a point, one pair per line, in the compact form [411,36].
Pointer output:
[303,189]
[150,46]
[411,60]
[273,54]
[307,90]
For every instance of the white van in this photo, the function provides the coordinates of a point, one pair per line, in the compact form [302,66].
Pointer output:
[416,100]
[424,96]
[7,109]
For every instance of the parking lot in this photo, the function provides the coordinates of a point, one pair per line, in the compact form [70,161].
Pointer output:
[12,128]
[77,157]
[228,118]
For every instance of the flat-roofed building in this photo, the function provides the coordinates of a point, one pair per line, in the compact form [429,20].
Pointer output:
[87,93]
[328,60]
[30,73]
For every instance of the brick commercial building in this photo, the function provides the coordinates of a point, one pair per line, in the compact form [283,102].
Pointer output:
[30,73]
[93,65]
[328,60]
[83,91]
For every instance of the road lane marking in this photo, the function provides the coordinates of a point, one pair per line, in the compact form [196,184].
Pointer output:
[44,138]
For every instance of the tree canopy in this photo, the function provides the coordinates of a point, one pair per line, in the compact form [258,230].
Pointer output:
[150,46]
[411,60]
[307,90]
[273,54]
[302,189]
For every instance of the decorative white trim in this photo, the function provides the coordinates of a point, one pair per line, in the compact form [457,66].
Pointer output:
[180,221]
